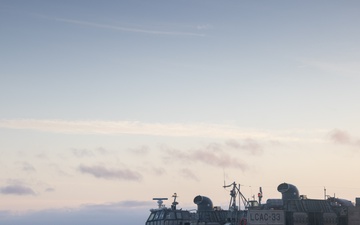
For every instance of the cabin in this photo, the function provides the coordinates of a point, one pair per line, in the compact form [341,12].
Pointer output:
[167,216]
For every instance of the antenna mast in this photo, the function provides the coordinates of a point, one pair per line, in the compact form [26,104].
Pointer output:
[233,193]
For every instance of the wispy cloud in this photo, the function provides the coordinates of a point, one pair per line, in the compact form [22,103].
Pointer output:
[85,153]
[127,29]
[100,171]
[204,27]
[140,150]
[249,145]
[80,153]
[342,68]
[188,174]
[343,137]
[25,166]
[16,189]
[159,129]
[50,189]
[207,156]
[158,171]
[116,206]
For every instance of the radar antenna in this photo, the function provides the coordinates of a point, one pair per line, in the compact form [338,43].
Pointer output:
[160,202]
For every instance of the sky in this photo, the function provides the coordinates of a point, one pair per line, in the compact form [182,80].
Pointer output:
[107,104]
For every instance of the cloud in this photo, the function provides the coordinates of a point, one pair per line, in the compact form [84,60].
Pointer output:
[16,189]
[25,166]
[188,174]
[127,212]
[207,156]
[82,153]
[340,137]
[343,137]
[49,189]
[204,27]
[140,150]
[4,213]
[158,171]
[111,174]
[116,206]
[342,68]
[41,155]
[154,129]
[102,151]
[128,29]
[248,145]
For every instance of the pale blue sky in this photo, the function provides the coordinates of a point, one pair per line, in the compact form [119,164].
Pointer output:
[86,60]
[127,86]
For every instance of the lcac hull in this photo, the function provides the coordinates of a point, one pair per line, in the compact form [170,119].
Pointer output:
[291,209]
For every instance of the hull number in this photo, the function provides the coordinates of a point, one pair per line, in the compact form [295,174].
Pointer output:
[265,217]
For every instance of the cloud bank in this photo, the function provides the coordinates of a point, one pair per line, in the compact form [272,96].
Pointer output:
[126,212]
[249,145]
[158,129]
[16,189]
[217,158]
[110,174]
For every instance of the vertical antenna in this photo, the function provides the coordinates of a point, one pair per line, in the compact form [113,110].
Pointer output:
[239,196]
[224,175]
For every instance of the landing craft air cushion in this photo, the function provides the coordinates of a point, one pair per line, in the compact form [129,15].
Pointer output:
[291,209]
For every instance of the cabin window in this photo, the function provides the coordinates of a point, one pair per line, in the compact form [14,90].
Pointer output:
[157,215]
[161,215]
[151,217]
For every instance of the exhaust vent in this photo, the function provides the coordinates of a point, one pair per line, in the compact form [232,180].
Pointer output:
[288,191]
[203,203]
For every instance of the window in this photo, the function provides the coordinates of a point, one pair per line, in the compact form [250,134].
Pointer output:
[157,215]
[151,217]
[162,215]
